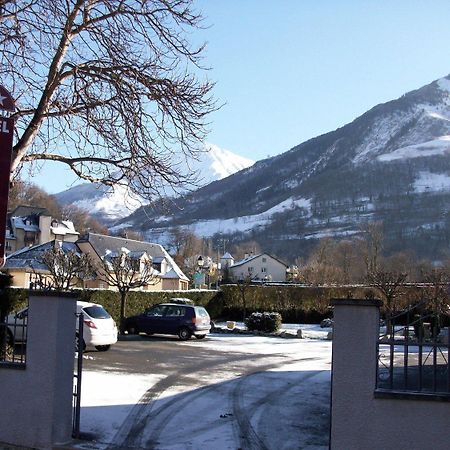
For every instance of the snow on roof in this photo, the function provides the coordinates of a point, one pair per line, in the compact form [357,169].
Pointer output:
[63,228]
[30,257]
[253,257]
[171,274]
[101,243]
[246,260]
[24,223]
[227,256]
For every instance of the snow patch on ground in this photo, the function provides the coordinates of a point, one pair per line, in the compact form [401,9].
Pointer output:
[107,398]
[244,224]
[380,134]
[431,182]
[331,233]
[301,381]
[444,84]
[438,146]
[114,204]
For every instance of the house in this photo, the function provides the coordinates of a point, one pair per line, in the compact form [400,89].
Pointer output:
[28,226]
[26,266]
[263,267]
[170,276]
[28,271]
[226,261]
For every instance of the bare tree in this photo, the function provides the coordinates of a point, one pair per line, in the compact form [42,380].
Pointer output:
[389,284]
[436,291]
[321,266]
[108,88]
[243,286]
[373,245]
[125,272]
[66,267]
[186,247]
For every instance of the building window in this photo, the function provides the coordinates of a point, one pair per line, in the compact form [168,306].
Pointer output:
[264,260]
[250,270]
[263,269]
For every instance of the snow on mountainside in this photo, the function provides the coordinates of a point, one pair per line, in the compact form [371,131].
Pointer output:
[111,204]
[391,164]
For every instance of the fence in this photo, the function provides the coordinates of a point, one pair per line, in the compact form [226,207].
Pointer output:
[13,339]
[413,352]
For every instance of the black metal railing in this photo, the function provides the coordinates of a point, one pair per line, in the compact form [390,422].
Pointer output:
[13,339]
[79,348]
[413,352]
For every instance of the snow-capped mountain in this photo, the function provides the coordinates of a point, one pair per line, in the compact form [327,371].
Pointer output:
[109,205]
[391,164]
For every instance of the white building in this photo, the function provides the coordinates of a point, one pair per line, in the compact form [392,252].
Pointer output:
[263,267]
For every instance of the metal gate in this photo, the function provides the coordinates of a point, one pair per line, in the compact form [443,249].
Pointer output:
[77,378]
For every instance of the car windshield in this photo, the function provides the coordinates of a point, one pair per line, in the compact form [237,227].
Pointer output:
[201,311]
[96,312]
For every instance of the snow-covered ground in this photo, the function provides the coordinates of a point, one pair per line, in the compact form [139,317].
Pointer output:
[281,404]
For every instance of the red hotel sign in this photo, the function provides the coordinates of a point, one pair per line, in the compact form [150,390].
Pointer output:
[6,140]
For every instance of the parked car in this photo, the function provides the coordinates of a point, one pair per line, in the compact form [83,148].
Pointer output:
[181,319]
[99,330]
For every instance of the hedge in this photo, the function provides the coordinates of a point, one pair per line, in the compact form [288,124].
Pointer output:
[301,304]
[296,304]
[14,299]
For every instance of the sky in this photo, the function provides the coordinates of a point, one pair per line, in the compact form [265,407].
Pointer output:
[290,70]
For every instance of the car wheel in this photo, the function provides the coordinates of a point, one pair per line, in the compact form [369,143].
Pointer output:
[184,333]
[200,336]
[132,330]
[102,348]
[77,343]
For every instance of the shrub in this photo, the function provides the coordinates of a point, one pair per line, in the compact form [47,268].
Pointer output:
[266,321]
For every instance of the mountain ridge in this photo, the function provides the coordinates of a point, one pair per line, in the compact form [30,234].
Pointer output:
[329,185]
[109,205]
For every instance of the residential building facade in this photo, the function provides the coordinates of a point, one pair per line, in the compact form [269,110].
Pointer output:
[28,226]
[27,271]
[261,267]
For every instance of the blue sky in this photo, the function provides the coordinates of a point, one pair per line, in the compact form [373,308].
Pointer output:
[289,70]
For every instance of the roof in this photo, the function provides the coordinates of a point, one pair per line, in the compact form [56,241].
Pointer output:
[227,256]
[25,223]
[171,274]
[253,257]
[23,210]
[63,227]
[104,244]
[29,257]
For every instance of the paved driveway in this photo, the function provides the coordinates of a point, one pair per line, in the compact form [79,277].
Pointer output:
[224,392]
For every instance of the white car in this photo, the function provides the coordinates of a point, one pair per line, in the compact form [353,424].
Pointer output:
[99,328]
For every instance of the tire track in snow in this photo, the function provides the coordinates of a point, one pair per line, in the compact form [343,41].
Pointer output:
[142,415]
[248,437]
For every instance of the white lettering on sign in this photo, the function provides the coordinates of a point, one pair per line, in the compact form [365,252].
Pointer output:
[4,128]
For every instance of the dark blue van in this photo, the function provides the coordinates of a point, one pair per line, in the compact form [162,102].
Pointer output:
[178,318]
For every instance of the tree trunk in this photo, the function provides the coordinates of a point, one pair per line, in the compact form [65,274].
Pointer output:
[123,299]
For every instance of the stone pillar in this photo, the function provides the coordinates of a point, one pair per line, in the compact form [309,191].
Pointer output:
[37,401]
[355,336]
